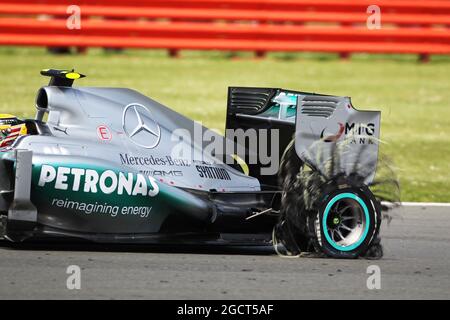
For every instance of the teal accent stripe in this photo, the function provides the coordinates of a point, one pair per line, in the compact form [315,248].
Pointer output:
[327,211]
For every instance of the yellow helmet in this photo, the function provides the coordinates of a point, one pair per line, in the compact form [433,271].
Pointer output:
[10,129]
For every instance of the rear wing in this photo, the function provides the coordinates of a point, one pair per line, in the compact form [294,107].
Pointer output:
[327,123]
[316,121]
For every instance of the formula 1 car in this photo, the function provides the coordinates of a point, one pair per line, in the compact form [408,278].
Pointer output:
[109,165]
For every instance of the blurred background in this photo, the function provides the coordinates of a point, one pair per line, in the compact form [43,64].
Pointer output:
[388,55]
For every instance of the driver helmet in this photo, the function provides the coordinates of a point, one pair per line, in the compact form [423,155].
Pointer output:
[11,128]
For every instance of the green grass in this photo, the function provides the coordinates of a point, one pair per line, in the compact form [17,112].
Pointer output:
[414,98]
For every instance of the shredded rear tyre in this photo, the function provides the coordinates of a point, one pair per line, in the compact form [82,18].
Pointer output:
[328,211]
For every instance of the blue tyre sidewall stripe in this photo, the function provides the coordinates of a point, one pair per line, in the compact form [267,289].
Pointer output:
[327,211]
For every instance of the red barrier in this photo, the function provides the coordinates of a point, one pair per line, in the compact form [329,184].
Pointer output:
[202,14]
[388,6]
[255,25]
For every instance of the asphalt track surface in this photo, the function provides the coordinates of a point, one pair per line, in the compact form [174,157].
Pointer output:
[416,265]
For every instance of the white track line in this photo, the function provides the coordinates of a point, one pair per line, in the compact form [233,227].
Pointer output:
[423,204]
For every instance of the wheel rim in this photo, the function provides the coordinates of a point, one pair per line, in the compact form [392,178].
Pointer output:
[345,221]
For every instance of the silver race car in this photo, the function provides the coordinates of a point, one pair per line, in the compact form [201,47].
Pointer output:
[110,165]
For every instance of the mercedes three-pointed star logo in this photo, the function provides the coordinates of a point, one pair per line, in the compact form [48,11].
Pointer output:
[139,125]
